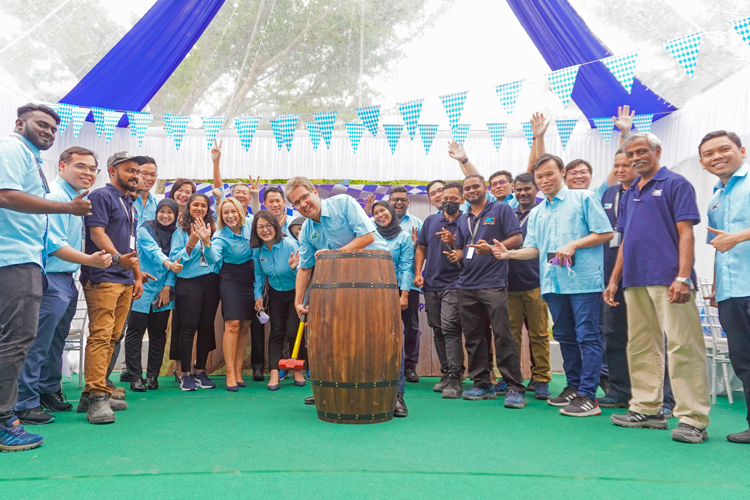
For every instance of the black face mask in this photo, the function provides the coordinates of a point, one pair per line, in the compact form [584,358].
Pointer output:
[450,207]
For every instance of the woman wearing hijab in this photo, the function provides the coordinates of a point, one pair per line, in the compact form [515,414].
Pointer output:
[151,311]
[401,246]
[295,227]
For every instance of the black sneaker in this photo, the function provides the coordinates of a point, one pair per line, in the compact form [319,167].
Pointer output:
[581,406]
[55,402]
[604,384]
[453,389]
[740,437]
[125,376]
[442,384]
[400,411]
[565,397]
[410,374]
[634,419]
[686,433]
[34,416]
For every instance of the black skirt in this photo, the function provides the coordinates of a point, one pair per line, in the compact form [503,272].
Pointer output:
[236,291]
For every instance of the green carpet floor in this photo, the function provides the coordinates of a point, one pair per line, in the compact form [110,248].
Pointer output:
[261,444]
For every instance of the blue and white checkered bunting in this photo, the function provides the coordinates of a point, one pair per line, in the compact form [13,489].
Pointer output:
[508,94]
[314,130]
[79,116]
[605,126]
[393,133]
[460,132]
[528,133]
[179,124]
[454,105]
[326,119]
[212,126]
[139,123]
[643,122]
[168,119]
[562,82]
[287,124]
[355,131]
[564,130]
[276,127]
[742,27]
[685,51]
[497,133]
[427,133]
[370,116]
[410,113]
[65,111]
[246,127]
[622,68]
[105,121]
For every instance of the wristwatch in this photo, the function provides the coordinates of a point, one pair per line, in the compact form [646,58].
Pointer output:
[116,259]
[687,281]
[463,162]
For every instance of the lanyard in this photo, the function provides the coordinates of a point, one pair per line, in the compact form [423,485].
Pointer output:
[476,228]
[524,218]
[129,215]
[617,208]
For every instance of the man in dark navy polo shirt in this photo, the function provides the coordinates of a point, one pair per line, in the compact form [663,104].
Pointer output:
[483,287]
[439,285]
[655,260]
[109,292]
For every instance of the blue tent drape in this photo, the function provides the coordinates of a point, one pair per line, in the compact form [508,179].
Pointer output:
[564,39]
[131,73]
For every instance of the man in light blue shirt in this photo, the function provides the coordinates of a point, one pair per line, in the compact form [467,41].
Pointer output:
[145,203]
[22,217]
[566,233]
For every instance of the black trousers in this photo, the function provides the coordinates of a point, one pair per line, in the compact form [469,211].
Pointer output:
[284,324]
[444,319]
[138,323]
[410,319]
[734,315]
[494,301]
[258,344]
[198,300]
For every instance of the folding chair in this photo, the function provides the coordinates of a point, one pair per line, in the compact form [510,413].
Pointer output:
[717,347]
[76,340]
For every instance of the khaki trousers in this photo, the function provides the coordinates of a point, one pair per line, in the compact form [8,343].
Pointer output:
[529,305]
[108,305]
[650,317]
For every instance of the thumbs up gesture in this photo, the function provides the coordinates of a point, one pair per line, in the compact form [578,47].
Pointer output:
[499,251]
[80,205]
[128,261]
[100,259]
[175,266]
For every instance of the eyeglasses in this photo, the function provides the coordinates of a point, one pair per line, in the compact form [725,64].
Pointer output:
[91,170]
[148,174]
[302,199]
[265,227]
[398,200]
[578,173]
[501,182]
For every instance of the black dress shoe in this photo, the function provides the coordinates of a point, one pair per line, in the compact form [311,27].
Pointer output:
[152,383]
[400,411]
[258,375]
[138,385]
[125,376]
[56,402]
[410,374]
[34,416]
[310,400]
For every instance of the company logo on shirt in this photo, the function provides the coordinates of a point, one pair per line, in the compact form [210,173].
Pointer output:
[607,206]
[489,220]
[715,206]
[315,236]
[657,192]
[264,259]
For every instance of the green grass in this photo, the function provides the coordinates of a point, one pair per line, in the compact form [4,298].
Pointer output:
[261,444]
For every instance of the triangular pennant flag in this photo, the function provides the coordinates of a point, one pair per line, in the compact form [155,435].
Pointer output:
[98,119]
[370,116]
[605,126]
[179,124]
[410,113]
[105,121]
[287,124]
[355,131]
[562,82]
[565,129]
[622,68]
[246,126]
[508,94]
[528,133]
[212,126]
[139,123]
[685,51]
[315,136]
[326,119]
[643,122]
[79,116]
[65,111]
[454,104]
[393,133]
[460,131]
[276,127]
[427,133]
[742,27]
[497,132]
[168,119]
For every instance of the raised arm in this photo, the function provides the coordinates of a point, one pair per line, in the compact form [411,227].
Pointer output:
[539,126]
[457,152]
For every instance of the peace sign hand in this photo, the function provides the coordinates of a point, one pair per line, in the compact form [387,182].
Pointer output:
[216,151]
[254,186]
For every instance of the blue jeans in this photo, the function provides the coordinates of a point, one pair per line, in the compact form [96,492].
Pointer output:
[42,370]
[577,329]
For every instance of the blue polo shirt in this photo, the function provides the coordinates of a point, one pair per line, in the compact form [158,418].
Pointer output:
[227,247]
[523,275]
[495,221]
[144,212]
[192,267]
[64,229]
[729,211]
[439,273]
[611,201]
[22,235]
[151,260]
[571,215]
[341,220]
[650,254]
[402,250]
[112,210]
[274,264]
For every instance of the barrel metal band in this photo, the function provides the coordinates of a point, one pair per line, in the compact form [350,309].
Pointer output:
[355,385]
[354,416]
[389,286]
[358,255]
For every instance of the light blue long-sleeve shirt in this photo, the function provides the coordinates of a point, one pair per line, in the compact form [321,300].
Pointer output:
[274,264]
[144,212]
[230,248]
[151,259]
[402,250]
[192,263]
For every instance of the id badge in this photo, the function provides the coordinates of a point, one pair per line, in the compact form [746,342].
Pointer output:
[615,241]
[132,242]
[470,253]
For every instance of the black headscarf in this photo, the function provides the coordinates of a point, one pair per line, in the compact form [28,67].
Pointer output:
[163,234]
[391,230]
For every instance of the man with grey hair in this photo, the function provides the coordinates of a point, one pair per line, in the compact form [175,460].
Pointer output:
[655,260]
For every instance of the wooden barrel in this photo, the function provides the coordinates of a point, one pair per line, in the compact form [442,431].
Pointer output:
[354,336]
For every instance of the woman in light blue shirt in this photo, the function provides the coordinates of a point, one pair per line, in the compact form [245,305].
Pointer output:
[276,259]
